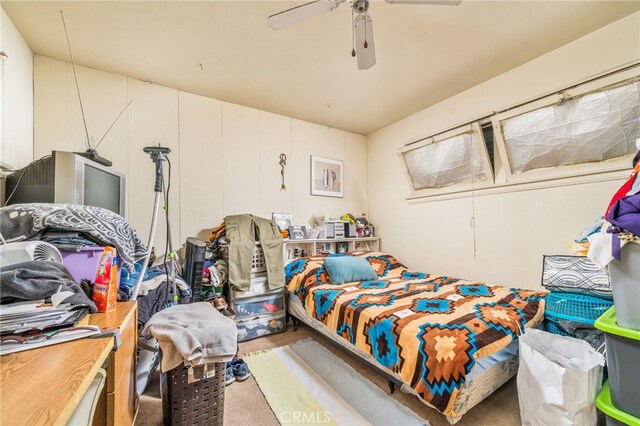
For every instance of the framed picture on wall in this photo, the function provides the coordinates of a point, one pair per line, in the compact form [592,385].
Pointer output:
[326,177]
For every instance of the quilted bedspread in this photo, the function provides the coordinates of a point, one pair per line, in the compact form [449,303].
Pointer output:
[428,329]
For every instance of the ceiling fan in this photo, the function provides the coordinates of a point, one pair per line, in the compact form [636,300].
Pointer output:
[363,49]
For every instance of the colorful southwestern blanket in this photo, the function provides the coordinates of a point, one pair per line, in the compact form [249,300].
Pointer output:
[428,329]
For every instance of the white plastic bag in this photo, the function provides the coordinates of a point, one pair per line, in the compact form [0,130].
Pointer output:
[558,380]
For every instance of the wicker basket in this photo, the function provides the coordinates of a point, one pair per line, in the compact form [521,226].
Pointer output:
[193,400]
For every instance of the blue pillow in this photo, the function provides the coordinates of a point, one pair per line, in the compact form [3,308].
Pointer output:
[346,269]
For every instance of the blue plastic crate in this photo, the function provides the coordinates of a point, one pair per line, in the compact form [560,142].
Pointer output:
[575,307]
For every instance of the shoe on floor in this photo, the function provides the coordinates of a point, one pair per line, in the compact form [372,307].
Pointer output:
[240,369]
[229,377]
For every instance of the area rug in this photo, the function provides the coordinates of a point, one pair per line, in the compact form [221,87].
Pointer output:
[305,384]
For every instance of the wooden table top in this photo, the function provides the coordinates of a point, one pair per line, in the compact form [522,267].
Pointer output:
[43,386]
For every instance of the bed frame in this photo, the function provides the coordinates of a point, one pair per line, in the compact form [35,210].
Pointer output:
[474,392]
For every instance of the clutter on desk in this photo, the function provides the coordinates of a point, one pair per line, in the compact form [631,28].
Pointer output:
[31,221]
[32,324]
[100,249]
[18,343]
[105,285]
[35,280]
[36,316]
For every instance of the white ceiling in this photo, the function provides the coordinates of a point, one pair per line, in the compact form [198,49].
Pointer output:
[225,50]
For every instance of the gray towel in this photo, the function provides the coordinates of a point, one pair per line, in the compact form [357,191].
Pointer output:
[193,334]
[37,279]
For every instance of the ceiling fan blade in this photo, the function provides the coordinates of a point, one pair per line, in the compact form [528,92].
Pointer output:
[300,13]
[363,28]
[430,2]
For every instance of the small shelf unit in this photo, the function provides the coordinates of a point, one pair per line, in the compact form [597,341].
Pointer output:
[292,249]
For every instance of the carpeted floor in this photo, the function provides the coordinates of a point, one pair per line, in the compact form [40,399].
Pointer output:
[245,404]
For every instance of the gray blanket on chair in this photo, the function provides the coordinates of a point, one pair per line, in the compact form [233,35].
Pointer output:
[38,279]
[20,222]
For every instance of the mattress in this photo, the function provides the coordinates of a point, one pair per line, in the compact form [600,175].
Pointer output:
[488,374]
[434,333]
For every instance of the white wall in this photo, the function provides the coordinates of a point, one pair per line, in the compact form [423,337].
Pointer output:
[224,156]
[513,230]
[16,93]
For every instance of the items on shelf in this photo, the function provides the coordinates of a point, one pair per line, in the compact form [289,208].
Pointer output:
[296,249]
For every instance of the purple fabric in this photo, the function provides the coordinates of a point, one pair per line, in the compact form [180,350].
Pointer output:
[624,215]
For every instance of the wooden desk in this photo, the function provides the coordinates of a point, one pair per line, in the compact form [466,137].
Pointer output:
[43,386]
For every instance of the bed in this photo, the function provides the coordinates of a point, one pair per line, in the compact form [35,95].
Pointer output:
[450,342]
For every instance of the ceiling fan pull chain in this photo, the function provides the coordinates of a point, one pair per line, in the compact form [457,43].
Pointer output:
[353,37]
[364,15]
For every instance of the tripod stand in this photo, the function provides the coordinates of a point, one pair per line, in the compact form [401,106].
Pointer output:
[158,154]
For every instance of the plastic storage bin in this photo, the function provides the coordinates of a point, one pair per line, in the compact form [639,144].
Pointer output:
[83,264]
[258,306]
[625,283]
[196,398]
[615,416]
[623,361]
[261,326]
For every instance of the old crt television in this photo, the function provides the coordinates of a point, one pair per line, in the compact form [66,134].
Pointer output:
[66,177]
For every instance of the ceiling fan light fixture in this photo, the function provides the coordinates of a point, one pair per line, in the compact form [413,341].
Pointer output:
[362,30]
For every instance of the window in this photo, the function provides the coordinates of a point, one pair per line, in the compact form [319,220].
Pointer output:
[487,134]
[456,159]
[585,130]
[585,133]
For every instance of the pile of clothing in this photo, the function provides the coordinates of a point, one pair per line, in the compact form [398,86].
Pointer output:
[622,221]
[72,228]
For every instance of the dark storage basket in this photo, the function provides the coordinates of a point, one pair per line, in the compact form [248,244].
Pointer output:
[198,403]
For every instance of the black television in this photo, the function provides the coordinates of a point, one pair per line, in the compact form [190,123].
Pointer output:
[67,177]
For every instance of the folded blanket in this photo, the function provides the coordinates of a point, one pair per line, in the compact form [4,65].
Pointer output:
[193,334]
[37,279]
[19,222]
